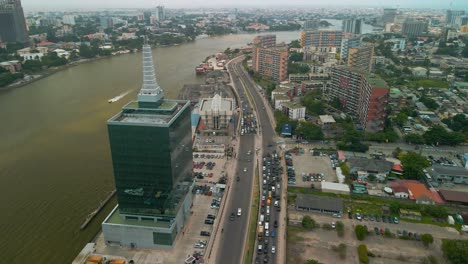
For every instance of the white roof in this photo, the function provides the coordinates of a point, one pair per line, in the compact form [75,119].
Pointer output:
[335,186]
[327,119]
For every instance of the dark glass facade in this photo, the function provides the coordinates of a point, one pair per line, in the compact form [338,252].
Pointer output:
[12,23]
[150,163]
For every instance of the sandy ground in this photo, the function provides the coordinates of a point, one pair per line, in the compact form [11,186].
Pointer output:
[317,244]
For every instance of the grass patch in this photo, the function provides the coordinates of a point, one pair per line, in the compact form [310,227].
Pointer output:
[427,83]
[292,232]
[252,236]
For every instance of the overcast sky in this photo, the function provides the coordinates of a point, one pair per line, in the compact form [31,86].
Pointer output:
[59,4]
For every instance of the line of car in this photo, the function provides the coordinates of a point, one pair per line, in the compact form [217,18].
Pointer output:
[376,217]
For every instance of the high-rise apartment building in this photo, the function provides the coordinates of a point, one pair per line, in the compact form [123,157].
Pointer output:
[347,43]
[151,147]
[413,28]
[311,24]
[325,40]
[452,15]
[460,21]
[389,15]
[12,22]
[160,13]
[268,59]
[68,20]
[106,22]
[361,57]
[353,26]
[362,94]
[464,29]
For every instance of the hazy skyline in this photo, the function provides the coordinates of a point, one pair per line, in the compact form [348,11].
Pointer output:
[60,4]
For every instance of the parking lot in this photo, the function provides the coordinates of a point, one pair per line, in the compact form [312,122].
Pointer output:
[307,165]
[318,244]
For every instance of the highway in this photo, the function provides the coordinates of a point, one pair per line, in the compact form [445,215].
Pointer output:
[231,247]
[233,237]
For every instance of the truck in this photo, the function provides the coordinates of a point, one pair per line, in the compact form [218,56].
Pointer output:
[260,231]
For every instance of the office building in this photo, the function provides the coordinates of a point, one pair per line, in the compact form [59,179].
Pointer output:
[460,21]
[311,24]
[216,112]
[151,148]
[452,15]
[346,44]
[353,26]
[362,94]
[414,28]
[12,22]
[361,57]
[326,40]
[389,15]
[269,60]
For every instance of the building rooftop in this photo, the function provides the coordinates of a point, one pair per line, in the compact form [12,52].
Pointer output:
[117,219]
[281,97]
[319,202]
[449,170]
[292,105]
[454,196]
[217,103]
[162,114]
[365,164]
[373,79]
[326,119]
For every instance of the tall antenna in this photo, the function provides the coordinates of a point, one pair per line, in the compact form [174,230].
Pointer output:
[150,90]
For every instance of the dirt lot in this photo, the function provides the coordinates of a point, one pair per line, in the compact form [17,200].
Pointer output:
[317,244]
[312,164]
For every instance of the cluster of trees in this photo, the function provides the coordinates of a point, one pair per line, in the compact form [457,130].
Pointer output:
[429,102]
[350,140]
[313,102]
[215,30]
[438,135]
[296,56]
[285,27]
[457,123]
[49,60]
[455,250]
[308,222]
[305,130]
[296,68]
[7,78]
[451,50]
[387,135]
[361,232]
[435,211]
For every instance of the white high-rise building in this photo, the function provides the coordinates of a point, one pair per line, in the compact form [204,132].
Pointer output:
[160,13]
[68,19]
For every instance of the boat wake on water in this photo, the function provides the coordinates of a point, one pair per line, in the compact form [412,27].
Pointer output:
[118,97]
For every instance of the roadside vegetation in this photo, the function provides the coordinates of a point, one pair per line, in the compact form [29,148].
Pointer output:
[252,235]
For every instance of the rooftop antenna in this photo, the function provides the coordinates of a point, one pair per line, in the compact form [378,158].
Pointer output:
[150,90]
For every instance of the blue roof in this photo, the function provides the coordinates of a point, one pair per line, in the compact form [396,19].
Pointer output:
[195,119]
[286,130]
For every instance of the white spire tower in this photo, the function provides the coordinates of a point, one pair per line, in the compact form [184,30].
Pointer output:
[150,90]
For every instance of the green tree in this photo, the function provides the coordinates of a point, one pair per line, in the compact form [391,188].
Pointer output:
[427,239]
[362,253]
[401,119]
[414,138]
[87,52]
[340,228]
[309,131]
[31,66]
[361,232]
[455,251]
[429,102]
[296,68]
[308,222]
[437,135]
[295,44]
[312,261]
[413,164]
[296,56]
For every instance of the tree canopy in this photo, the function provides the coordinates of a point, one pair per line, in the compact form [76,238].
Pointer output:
[438,135]
[413,164]
[309,131]
[455,251]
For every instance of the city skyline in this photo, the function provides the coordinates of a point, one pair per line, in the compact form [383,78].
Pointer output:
[433,4]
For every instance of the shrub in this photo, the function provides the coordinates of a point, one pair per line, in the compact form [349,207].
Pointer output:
[362,253]
[387,233]
[370,254]
[427,239]
[340,228]
[429,260]
[327,226]
[456,251]
[308,222]
[341,249]
[361,232]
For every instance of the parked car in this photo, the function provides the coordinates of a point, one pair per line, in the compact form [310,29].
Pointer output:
[210,216]
[232,217]
[333,225]
[273,249]
[376,230]
[358,216]
[395,220]
[209,222]
[204,233]
[377,218]
[275,224]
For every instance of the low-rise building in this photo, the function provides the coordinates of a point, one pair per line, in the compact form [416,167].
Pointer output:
[279,100]
[321,204]
[293,110]
[364,167]
[450,174]
[216,112]
[11,66]
[454,197]
[326,121]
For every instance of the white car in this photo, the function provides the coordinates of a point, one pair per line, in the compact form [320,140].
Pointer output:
[239,211]
[273,249]
[333,225]
[245,169]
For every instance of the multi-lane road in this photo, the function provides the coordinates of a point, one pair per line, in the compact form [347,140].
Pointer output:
[233,236]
